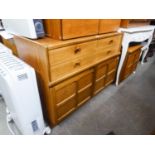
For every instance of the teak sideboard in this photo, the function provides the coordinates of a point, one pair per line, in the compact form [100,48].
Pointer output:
[71,72]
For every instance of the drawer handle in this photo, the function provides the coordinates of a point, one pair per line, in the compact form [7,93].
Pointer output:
[108,52]
[77,50]
[111,41]
[77,64]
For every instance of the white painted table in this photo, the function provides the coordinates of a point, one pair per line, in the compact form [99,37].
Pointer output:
[138,34]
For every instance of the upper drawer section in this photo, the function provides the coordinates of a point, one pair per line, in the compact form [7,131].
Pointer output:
[67,53]
[114,41]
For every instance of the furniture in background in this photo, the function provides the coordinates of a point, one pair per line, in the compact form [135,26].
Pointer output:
[10,44]
[71,72]
[152,44]
[63,29]
[128,23]
[131,61]
[136,34]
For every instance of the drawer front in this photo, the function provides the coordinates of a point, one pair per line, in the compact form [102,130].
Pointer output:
[106,53]
[113,41]
[64,54]
[64,69]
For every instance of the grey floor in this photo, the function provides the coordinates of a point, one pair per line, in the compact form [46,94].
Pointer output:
[126,109]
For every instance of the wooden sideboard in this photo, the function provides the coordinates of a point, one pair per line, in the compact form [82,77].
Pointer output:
[131,61]
[71,72]
[63,29]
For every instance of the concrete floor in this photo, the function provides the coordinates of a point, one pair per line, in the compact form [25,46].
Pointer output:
[126,109]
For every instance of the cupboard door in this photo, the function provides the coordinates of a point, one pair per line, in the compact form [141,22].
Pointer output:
[84,87]
[108,25]
[100,77]
[65,98]
[111,70]
[73,28]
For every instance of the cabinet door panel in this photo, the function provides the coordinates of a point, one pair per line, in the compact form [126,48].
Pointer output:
[72,28]
[99,85]
[110,78]
[112,64]
[109,25]
[85,87]
[130,60]
[84,95]
[65,92]
[101,70]
[66,108]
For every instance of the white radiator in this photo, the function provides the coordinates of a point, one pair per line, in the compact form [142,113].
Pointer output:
[19,89]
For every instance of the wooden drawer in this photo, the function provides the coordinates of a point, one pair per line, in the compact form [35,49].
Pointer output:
[114,41]
[105,53]
[109,25]
[68,53]
[64,69]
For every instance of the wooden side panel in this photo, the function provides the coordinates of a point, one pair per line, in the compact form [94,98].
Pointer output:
[10,44]
[109,25]
[37,56]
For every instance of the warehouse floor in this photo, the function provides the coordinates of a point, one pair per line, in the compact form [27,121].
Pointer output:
[126,109]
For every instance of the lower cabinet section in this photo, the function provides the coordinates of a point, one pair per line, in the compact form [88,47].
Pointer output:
[75,91]
[70,94]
